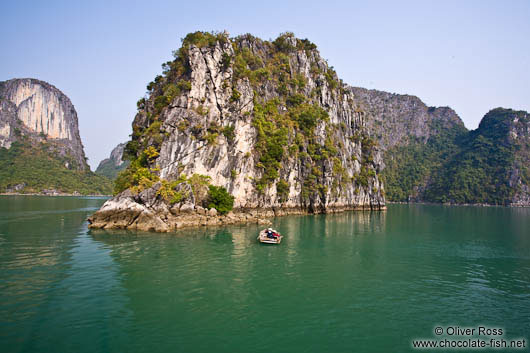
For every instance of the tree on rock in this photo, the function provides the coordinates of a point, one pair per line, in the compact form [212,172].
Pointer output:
[220,199]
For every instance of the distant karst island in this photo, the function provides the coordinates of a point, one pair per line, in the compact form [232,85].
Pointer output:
[40,148]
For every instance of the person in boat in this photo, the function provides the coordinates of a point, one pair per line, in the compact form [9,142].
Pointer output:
[271,234]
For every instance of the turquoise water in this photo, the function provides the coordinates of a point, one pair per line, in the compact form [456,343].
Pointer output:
[358,281]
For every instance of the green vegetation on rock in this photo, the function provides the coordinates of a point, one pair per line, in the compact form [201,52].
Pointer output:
[139,175]
[220,199]
[411,167]
[459,167]
[481,170]
[38,167]
[109,170]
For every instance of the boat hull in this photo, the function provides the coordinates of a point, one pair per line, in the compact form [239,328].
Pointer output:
[262,238]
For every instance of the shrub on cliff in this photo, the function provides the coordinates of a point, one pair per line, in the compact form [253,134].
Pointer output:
[220,199]
[204,39]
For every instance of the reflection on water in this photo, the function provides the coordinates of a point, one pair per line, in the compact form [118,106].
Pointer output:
[367,281]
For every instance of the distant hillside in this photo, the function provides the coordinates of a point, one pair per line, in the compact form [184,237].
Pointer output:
[37,167]
[490,164]
[110,167]
[40,147]
[430,156]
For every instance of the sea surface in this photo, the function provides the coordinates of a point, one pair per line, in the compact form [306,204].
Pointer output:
[350,282]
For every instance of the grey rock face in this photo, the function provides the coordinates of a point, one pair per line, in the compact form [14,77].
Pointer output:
[111,166]
[9,124]
[182,152]
[148,211]
[37,109]
[396,119]
[116,156]
[518,135]
[16,188]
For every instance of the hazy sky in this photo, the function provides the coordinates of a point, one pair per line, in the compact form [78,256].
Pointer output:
[470,55]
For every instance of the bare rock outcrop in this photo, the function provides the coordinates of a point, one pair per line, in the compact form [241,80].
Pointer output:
[38,110]
[148,211]
[110,167]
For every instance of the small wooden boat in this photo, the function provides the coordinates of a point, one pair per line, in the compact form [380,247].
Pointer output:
[263,238]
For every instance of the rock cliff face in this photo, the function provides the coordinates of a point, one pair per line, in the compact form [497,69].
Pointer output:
[188,150]
[38,110]
[268,121]
[40,148]
[398,119]
[519,136]
[8,123]
[110,167]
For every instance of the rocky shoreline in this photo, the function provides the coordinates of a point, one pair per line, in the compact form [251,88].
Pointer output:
[149,212]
